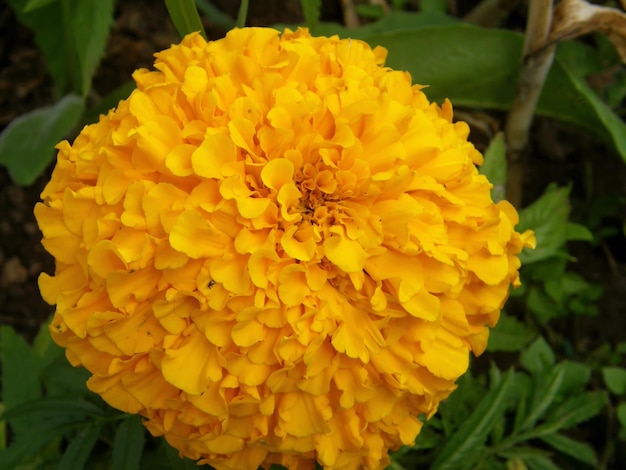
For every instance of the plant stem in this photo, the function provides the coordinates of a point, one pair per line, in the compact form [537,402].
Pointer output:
[243,14]
[537,59]
[350,18]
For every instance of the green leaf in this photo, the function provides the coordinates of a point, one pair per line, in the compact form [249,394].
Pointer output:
[521,453]
[467,444]
[509,335]
[27,143]
[578,232]
[576,375]
[395,21]
[128,444]
[34,4]
[91,22]
[61,410]
[47,350]
[615,379]
[621,414]
[62,380]
[184,15]
[611,123]
[542,396]
[548,217]
[215,15]
[495,166]
[20,378]
[539,462]
[434,5]
[541,305]
[53,418]
[538,357]
[568,446]
[471,66]
[312,10]
[573,411]
[77,452]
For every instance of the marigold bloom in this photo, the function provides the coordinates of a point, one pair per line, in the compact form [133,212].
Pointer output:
[276,250]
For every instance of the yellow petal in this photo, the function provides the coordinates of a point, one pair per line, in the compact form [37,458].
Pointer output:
[276,173]
[212,155]
[192,364]
[302,415]
[292,287]
[348,255]
[295,249]
[492,269]
[195,236]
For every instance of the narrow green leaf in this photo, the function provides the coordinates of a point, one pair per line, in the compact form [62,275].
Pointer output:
[573,411]
[20,379]
[11,456]
[462,449]
[545,391]
[522,453]
[509,335]
[312,10]
[35,4]
[568,446]
[548,217]
[540,462]
[242,15]
[215,15]
[128,444]
[91,22]
[77,452]
[523,389]
[615,379]
[53,418]
[53,409]
[184,15]
[27,143]
[495,165]
[538,357]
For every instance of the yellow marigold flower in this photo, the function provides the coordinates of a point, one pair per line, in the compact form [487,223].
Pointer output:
[276,250]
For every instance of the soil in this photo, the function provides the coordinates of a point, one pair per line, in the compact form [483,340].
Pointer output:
[141,27]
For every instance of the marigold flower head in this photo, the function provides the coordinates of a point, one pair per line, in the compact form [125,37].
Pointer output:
[276,250]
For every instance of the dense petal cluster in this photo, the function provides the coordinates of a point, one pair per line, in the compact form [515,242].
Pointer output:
[276,250]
